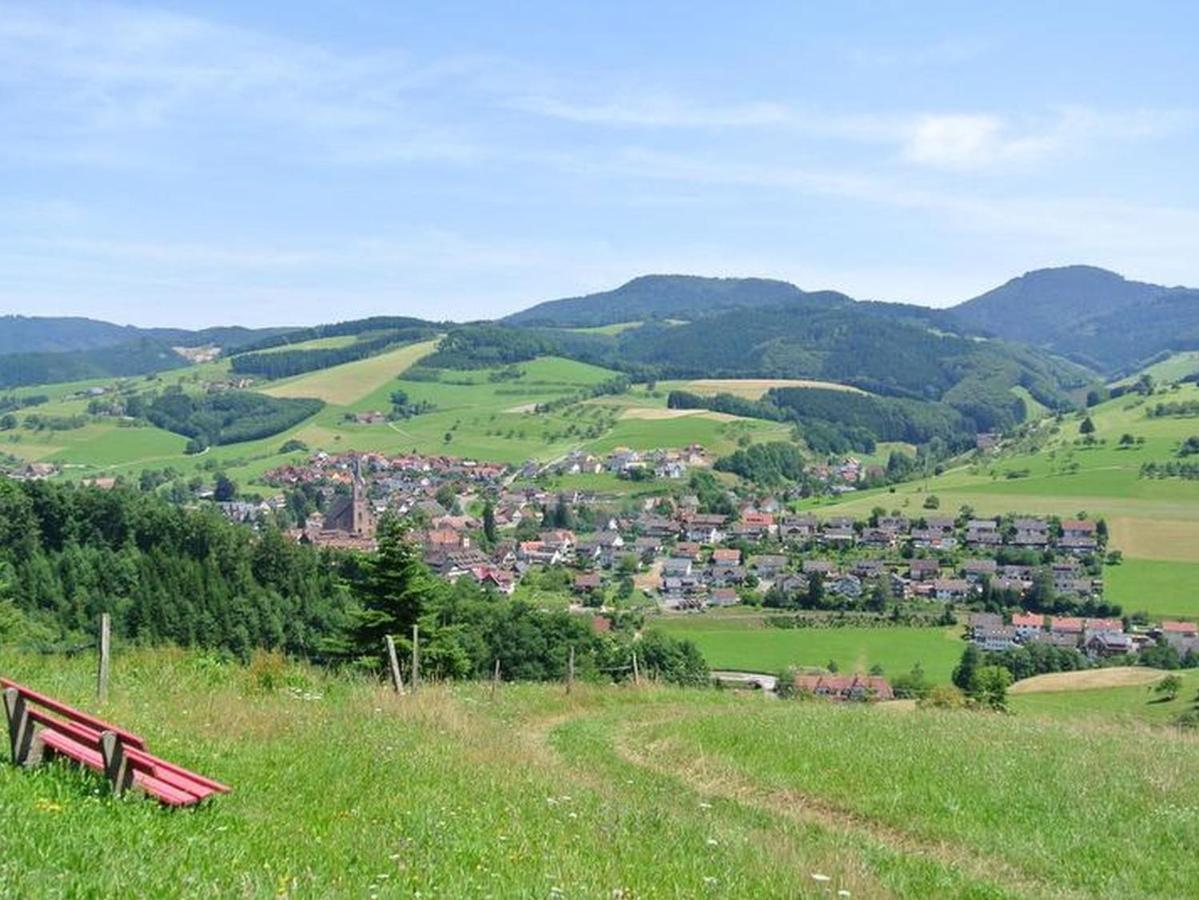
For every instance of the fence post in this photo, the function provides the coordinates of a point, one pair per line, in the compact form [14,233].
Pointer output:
[636,671]
[105,650]
[495,677]
[570,670]
[415,657]
[397,680]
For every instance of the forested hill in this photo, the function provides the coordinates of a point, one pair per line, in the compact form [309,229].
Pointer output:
[1089,314]
[671,296]
[65,334]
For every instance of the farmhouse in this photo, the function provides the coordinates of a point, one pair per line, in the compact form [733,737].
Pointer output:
[845,687]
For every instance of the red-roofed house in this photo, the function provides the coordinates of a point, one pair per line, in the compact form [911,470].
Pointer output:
[846,687]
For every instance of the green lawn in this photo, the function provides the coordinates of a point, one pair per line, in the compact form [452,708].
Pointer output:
[1161,588]
[854,649]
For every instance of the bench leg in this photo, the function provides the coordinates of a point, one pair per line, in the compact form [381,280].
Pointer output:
[25,750]
[116,767]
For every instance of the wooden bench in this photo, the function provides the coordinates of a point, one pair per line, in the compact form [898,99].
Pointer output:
[38,725]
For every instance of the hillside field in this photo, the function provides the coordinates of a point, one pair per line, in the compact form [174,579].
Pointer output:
[461,792]
[746,644]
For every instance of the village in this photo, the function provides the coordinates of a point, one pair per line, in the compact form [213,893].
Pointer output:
[1017,580]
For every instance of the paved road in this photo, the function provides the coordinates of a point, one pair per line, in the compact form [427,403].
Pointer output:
[746,680]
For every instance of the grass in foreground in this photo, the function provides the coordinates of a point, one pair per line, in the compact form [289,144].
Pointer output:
[343,789]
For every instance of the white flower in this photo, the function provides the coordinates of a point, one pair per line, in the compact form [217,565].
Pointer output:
[817,876]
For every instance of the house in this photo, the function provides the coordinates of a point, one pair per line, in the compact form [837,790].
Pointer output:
[838,534]
[798,528]
[924,569]
[647,547]
[688,549]
[1062,640]
[657,527]
[676,567]
[951,589]
[933,539]
[823,567]
[996,638]
[538,553]
[878,538]
[723,597]
[845,687]
[894,524]
[976,570]
[983,533]
[704,528]
[768,565]
[1030,533]
[1104,644]
[792,584]
[1028,624]
[846,585]
[1065,624]
[587,583]
[724,574]
[1079,537]
[869,568]
[978,621]
[610,544]
[726,555]
[494,577]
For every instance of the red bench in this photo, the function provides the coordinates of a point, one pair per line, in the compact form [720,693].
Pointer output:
[38,725]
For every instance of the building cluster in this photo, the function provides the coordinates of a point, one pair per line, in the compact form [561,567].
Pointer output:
[664,464]
[1097,638]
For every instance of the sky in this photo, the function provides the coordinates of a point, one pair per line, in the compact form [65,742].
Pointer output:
[295,162]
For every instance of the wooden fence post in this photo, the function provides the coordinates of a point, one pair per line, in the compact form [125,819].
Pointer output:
[570,670]
[415,657]
[495,677]
[397,679]
[105,650]
[636,671]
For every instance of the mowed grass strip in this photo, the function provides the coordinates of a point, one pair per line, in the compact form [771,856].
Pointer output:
[345,384]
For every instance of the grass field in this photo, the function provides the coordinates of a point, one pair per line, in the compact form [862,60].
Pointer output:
[1133,703]
[745,644]
[1161,588]
[342,789]
[753,388]
[349,383]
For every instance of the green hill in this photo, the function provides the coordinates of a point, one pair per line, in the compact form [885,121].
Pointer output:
[342,789]
[1088,314]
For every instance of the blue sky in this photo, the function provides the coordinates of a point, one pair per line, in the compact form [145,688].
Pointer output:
[271,163]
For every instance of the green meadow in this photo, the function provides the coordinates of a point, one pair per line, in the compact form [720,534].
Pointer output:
[340,788]
[1119,705]
[746,644]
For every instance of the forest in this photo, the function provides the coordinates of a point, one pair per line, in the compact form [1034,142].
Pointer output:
[189,577]
[488,346]
[135,358]
[229,417]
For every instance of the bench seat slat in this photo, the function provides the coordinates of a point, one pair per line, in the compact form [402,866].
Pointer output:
[169,771]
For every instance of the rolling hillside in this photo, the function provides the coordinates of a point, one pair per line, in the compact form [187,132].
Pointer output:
[458,791]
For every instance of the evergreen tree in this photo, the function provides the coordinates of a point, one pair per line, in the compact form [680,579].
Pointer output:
[395,590]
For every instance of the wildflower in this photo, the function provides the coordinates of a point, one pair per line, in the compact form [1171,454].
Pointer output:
[712,842]
[817,876]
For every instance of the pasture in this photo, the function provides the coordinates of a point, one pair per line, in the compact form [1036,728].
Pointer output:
[462,792]
[746,644]
[348,383]
[755,388]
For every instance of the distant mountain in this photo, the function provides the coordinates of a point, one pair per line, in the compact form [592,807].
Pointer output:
[1089,314]
[64,334]
[137,357]
[670,296]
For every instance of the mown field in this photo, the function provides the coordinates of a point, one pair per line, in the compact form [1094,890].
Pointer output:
[744,643]
[342,789]
[1122,704]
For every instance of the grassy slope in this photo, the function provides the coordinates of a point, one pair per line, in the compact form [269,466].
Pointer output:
[1121,704]
[746,644]
[341,789]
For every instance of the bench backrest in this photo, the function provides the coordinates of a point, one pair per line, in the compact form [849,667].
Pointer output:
[73,715]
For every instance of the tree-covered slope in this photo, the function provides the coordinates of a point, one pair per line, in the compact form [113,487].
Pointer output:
[1089,314]
[66,334]
[670,296]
